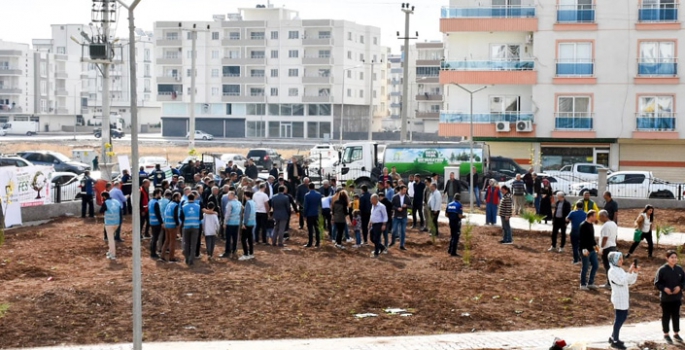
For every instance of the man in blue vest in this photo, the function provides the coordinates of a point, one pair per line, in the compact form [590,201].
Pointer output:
[112,210]
[163,203]
[87,192]
[155,216]
[232,212]
[190,217]
[312,207]
[172,222]
[455,214]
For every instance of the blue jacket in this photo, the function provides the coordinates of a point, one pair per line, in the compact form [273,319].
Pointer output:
[112,213]
[365,202]
[233,219]
[454,210]
[153,207]
[250,217]
[281,206]
[312,204]
[190,215]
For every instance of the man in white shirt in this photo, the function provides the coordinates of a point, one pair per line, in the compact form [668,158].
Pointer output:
[261,199]
[379,217]
[410,186]
[326,212]
[270,184]
[607,238]
[435,204]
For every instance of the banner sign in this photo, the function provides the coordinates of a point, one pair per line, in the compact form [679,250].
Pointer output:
[32,185]
[9,206]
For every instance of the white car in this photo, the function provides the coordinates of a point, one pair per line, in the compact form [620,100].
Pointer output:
[201,135]
[327,151]
[149,162]
[236,158]
[70,185]
[557,182]
[3,132]
[630,184]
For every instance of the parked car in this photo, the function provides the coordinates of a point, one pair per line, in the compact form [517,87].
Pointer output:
[236,158]
[581,171]
[14,161]
[70,185]
[58,160]
[265,158]
[113,132]
[149,162]
[201,135]
[3,132]
[557,182]
[630,184]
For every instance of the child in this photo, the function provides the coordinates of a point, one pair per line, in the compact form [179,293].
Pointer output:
[357,224]
[210,225]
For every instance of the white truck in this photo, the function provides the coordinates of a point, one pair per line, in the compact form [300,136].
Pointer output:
[631,184]
[580,171]
[21,128]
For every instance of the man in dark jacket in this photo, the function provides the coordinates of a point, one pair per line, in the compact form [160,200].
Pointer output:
[389,211]
[274,172]
[281,214]
[251,170]
[158,176]
[452,187]
[417,202]
[365,210]
[295,172]
[400,204]
[529,181]
[312,207]
[299,198]
[561,210]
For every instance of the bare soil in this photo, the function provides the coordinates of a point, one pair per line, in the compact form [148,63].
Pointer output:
[58,288]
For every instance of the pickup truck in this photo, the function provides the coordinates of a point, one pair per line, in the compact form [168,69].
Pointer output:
[630,184]
[580,171]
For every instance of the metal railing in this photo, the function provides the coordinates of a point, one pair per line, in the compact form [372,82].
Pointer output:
[658,13]
[527,11]
[257,93]
[169,93]
[573,121]
[231,75]
[657,66]
[489,65]
[575,67]
[656,121]
[231,93]
[575,13]
[484,118]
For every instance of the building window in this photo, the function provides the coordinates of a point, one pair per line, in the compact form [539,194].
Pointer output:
[574,112]
[374,93]
[361,75]
[324,53]
[375,40]
[231,71]
[147,55]
[349,36]
[215,91]
[229,109]
[234,36]
[658,11]
[293,34]
[361,93]
[274,73]
[361,57]
[171,36]
[576,11]
[215,35]
[257,36]
[293,53]
[375,76]
[189,72]
[61,50]
[349,55]
[231,90]
[256,109]
[274,54]
[293,72]
[349,74]
[274,35]
[503,108]
[255,129]
[656,113]
[428,71]
[215,54]
[575,59]
[657,58]
[274,91]
[189,36]
[293,92]
[349,92]
[361,39]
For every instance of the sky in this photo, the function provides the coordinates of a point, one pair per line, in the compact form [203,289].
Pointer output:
[385,14]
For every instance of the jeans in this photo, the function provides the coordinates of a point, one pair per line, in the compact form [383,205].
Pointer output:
[87,201]
[417,209]
[358,236]
[476,193]
[334,232]
[366,218]
[455,232]
[231,239]
[376,230]
[647,236]
[399,230]
[490,213]
[537,204]
[590,260]
[312,227]
[621,316]
[558,226]
[211,242]
[670,312]
[575,244]
[247,240]
[156,230]
[340,229]
[190,237]
[262,219]
[506,231]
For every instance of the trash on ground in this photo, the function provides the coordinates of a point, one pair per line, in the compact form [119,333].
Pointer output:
[365,315]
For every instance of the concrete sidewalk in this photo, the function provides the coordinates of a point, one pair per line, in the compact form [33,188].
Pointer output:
[631,334]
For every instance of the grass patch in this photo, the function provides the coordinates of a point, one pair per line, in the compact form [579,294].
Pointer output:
[3,309]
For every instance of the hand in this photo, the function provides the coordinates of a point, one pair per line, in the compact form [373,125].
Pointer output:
[668,291]
[676,290]
[383,228]
[399,209]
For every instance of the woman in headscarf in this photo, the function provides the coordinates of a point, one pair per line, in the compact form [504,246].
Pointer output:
[546,198]
[670,280]
[620,281]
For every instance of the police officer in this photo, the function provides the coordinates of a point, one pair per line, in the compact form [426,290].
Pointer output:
[155,216]
[190,216]
[455,214]
[158,176]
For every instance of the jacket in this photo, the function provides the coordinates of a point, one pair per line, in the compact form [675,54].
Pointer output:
[233,209]
[281,206]
[291,171]
[144,199]
[250,216]
[667,277]
[210,224]
[274,172]
[492,195]
[589,205]
[587,236]
[340,211]
[565,209]
[112,210]
[388,208]
[620,282]
[454,212]
[396,204]
[506,206]
[252,172]
[171,215]
[155,212]
[301,192]
[518,188]
[452,187]
[419,188]
[191,215]
[365,203]
[312,204]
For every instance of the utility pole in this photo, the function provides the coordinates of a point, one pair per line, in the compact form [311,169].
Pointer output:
[107,12]
[193,73]
[408,10]
[370,136]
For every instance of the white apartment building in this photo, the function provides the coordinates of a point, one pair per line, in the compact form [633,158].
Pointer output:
[395,79]
[16,81]
[266,73]
[567,81]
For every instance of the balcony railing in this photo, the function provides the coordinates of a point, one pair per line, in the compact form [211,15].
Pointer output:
[488,12]
[573,121]
[659,121]
[657,66]
[658,13]
[490,65]
[232,93]
[484,118]
[576,14]
[574,67]
[257,93]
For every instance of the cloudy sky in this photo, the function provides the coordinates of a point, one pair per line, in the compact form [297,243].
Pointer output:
[383,13]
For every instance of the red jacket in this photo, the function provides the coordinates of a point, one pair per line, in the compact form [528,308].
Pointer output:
[144,199]
[492,195]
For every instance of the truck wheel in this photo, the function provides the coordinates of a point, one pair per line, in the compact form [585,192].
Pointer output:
[28,133]
[360,183]
[662,195]
[582,192]
[594,193]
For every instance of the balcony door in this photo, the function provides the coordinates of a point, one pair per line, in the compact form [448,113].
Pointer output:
[656,113]
[657,58]
[574,112]
[505,108]
[575,59]
[505,52]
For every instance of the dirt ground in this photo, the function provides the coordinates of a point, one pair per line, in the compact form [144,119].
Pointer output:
[56,287]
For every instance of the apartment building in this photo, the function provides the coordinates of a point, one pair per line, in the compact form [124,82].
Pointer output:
[16,81]
[266,73]
[567,81]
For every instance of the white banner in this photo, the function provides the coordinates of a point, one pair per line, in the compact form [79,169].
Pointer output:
[124,164]
[32,186]
[10,207]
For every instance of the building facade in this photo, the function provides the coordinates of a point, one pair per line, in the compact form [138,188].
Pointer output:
[567,81]
[266,73]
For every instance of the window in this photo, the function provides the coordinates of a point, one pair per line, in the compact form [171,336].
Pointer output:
[147,55]
[292,92]
[255,129]
[375,76]
[274,73]
[349,74]
[172,36]
[374,93]
[234,36]
[233,53]
[256,109]
[349,36]
[215,54]
[215,91]
[189,35]
[656,113]
[375,40]
[215,73]
[257,36]
[189,54]
[349,55]
[361,75]
[657,58]
[575,59]
[229,109]
[428,71]
[189,72]
[256,91]
[658,11]
[574,112]
[505,52]
[215,35]
[231,71]
[274,53]
[324,34]
[231,90]
[293,34]
[361,93]
[293,53]
[61,50]
[324,53]
[349,92]
[274,91]
[257,73]
[274,35]
[361,57]
[319,109]
[575,11]
[293,72]
[257,54]
[505,108]
[353,154]
[361,39]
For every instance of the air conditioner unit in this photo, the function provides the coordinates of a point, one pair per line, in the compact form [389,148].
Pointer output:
[524,126]
[503,127]
[529,39]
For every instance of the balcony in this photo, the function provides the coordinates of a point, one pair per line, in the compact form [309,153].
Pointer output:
[317,40]
[428,97]
[395,105]
[513,72]
[169,79]
[7,70]
[451,117]
[61,75]
[169,42]
[317,98]
[238,79]
[656,126]
[318,59]
[254,60]
[7,90]
[428,115]
[317,79]
[571,17]
[166,96]
[454,123]
[658,17]
[61,110]
[573,121]
[427,78]
[237,97]
[657,71]
[61,92]
[8,53]
[257,41]
[395,93]
[170,60]
[489,19]
[574,71]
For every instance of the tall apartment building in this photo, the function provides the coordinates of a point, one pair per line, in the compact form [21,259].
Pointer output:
[266,73]
[16,81]
[567,81]
[395,80]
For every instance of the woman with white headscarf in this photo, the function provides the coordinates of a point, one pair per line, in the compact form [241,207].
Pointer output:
[620,281]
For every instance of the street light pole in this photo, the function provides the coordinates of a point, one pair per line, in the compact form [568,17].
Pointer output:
[193,77]
[408,10]
[342,101]
[471,92]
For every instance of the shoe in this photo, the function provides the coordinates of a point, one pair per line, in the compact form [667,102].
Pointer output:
[576,263]
[508,243]
[373,255]
[627,256]
[551,249]
[403,248]
[307,246]
[244,257]
[592,287]
[678,338]
[317,246]
[119,240]
[424,230]
[606,286]
[225,256]
[112,257]
[584,288]
[356,246]
[561,250]
[107,255]
[392,243]
[198,256]
[174,261]
[618,345]
[251,256]
[668,339]
[501,242]
[385,251]
[155,256]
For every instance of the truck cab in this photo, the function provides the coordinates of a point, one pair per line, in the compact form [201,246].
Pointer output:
[359,162]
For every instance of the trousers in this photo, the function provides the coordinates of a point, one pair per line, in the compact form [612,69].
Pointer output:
[670,312]
[190,237]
